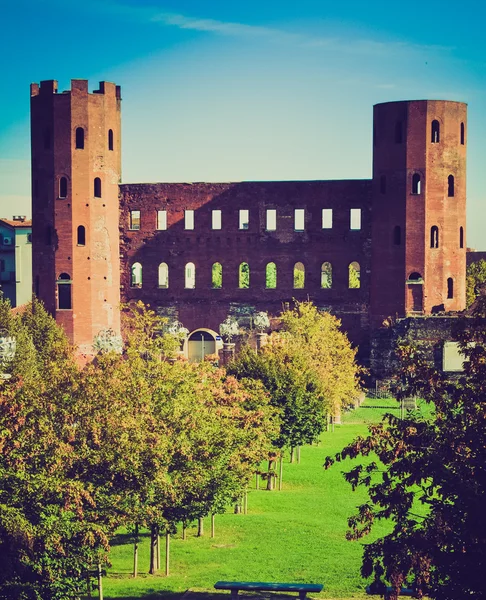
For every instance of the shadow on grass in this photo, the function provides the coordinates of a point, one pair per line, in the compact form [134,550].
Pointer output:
[121,539]
[205,595]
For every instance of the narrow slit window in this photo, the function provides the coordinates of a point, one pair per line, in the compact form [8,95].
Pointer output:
[327,218]
[161,220]
[64,292]
[81,237]
[397,235]
[163,275]
[450,288]
[299,219]
[217,276]
[188,219]
[398,132]
[271,224]
[450,186]
[354,275]
[216,219]
[110,139]
[435,133]
[63,187]
[79,141]
[461,237]
[463,134]
[326,276]
[190,276]
[416,183]
[434,236]
[244,276]
[244,219]
[299,276]
[97,187]
[135,220]
[271,276]
[355,219]
[136,275]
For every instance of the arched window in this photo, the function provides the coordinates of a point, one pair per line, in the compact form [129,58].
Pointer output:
[79,138]
[326,276]
[397,235]
[244,275]
[81,241]
[97,187]
[354,276]
[190,276]
[163,275]
[271,276]
[450,186]
[383,184]
[415,277]
[136,275]
[461,237]
[63,187]
[398,132]
[450,288]
[64,299]
[434,236]
[217,276]
[463,134]
[435,134]
[110,139]
[299,276]
[416,183]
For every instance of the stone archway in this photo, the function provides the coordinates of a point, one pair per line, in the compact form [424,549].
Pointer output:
[202,342]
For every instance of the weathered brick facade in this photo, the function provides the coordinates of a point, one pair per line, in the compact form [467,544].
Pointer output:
[159,242]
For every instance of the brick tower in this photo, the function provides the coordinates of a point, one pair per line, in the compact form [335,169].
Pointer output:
[76,170]
[419,208]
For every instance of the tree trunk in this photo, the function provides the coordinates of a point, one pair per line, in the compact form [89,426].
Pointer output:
[167,552]
[245,503]
[292,454]
[212,525]
[184,531]
[280,473]
[271,464]
[237,510]
[100,583]
[153,549]
[135,553]
[200,527]
[298,455]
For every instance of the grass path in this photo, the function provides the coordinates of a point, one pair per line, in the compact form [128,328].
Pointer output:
[297,534]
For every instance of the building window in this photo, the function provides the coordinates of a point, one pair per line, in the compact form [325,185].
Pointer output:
[63,187]
[161,220]
[450,186]
[450,288]
[188,219]
[271,219]
[435,132]
[244,219]
[327,218]
[397,235]
[354,275]
[271,276]
[299,219]
[190,276]
[383,184]
[79,138]
[64,287]
[163,275]
[216,219]
[134,219]
[97,187]
[398,132]
[434,236]
[217,276]
[110,139]
[461,237]
[136,275]
[244,276]
[81,237]
[463,134]
[299,276]
[416,183]
[355,219]
[326,276]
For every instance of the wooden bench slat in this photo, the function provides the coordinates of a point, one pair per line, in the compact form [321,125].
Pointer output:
[262,586]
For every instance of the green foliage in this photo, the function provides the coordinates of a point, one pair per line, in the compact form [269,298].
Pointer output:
[475,277]
[244,276]
[217,276]
[271,276]
[431,482]
[299,276]
[354,276]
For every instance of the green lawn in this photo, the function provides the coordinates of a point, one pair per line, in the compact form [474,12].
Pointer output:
[295,535]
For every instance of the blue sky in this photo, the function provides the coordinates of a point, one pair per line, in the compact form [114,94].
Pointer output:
[219,91]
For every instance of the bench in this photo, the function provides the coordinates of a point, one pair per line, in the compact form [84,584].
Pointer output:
[258,586]
[386,591]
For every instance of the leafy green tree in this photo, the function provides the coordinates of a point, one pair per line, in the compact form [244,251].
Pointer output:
[475,277]
[429,478]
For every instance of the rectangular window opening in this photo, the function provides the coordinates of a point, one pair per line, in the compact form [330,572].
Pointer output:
[355,219]
[327,218]
[299,219]
[188,219]
[271,219]
[134,219]
[244,219]
[216,219]
[161,220]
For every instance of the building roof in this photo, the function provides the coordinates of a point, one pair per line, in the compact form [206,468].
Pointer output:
[16,222]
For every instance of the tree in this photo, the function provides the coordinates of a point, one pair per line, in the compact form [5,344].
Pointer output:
[475,277]
[430,478]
